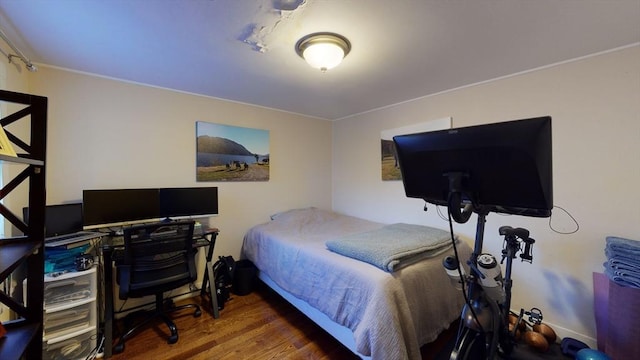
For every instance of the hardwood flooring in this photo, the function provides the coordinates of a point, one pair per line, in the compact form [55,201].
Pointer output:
[257,326]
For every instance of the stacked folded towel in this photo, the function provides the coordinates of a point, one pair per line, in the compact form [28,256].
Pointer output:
[623,261]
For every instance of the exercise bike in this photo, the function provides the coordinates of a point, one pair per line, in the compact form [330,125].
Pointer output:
[484,323]
[503,167]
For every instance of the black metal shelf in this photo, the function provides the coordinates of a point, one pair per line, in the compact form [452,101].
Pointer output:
[18,338]
[24,335]
[13,252]
[20,160]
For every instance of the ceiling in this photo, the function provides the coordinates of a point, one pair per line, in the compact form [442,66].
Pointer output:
[243,50]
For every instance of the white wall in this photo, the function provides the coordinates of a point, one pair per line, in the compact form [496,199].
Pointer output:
[595,105]
[111,134]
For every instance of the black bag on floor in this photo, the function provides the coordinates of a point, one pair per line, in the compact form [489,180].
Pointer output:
[223,270]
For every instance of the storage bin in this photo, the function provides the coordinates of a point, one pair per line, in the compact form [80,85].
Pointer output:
[244,277]
[617,317]
[63,320]
[72,346]
[73,287]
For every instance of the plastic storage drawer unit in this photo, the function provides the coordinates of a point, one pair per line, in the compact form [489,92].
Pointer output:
[69,287]
[70,315]
[63,320]
[70,347]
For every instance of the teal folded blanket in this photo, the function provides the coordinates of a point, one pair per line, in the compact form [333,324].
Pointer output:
[393,246]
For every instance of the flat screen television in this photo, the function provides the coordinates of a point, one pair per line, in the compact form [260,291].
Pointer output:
[104,208]
[188,202]
[502,167]
[59,219]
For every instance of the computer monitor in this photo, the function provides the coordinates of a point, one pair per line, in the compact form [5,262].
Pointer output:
[502,167]
[59,219]
[188,202]
[103,208]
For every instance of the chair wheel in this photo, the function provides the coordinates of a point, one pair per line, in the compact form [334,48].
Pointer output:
[197,313]
[119,348]
[172,339]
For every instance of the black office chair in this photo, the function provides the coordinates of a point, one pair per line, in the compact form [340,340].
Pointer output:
[157,258]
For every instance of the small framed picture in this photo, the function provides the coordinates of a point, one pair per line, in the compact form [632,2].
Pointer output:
[5,144]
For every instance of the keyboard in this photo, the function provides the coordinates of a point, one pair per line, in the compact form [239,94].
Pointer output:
[67,239]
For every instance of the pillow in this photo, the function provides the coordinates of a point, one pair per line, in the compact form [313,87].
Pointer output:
[291,212]
[308,216]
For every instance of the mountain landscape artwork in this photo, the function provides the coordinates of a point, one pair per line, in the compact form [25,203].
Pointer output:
[231,153]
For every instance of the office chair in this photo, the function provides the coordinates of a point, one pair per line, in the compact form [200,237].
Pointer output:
[157,258]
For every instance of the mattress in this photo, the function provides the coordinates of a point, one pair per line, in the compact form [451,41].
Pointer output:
[391,314]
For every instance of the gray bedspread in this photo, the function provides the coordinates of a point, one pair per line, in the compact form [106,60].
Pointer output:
[391,314]
[393,246]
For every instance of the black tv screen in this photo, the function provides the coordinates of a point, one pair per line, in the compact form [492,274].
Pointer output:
[119,206]
[188,202]
[503,167]
[60,219]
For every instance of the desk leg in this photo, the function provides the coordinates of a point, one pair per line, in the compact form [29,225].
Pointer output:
[212,291]
[108,301]
[209,280]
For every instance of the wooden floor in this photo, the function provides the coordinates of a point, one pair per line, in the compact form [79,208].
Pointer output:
[257,326]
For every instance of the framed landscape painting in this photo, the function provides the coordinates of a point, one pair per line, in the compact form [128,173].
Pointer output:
[231,153]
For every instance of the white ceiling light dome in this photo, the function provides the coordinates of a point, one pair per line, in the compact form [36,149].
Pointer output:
[323,50]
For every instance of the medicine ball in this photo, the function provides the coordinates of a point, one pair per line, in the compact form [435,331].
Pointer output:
[536,341]
[547,331]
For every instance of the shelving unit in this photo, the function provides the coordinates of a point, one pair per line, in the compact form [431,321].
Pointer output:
[70,315]
[24,335]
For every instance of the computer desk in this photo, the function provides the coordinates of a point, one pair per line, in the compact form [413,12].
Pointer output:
[111,250]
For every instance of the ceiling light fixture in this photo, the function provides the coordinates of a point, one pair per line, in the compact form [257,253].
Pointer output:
[323,50]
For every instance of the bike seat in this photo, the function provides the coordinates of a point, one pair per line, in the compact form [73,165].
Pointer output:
[518,232]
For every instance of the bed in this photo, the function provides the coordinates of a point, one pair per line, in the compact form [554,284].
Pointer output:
[377,312]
